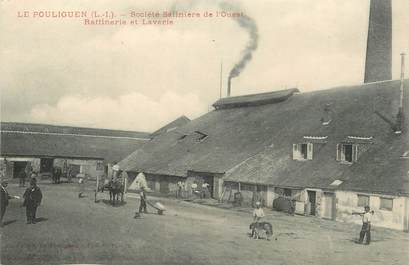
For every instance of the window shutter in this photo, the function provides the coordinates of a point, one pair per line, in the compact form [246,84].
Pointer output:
[355,152]
[342,152]
[295,151]
[339,151]
[309,151]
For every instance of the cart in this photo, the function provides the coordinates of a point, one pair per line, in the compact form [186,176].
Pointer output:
[158,206]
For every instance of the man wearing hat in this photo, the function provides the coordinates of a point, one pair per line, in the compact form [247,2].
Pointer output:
[366,226]
[258,213]
[32,199]
[4,200]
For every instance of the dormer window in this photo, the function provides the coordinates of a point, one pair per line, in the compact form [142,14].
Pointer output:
[193,137]
[347,152]
[302,151]
[200,137]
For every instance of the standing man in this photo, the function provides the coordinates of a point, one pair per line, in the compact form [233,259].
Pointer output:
[69,173]
[194,188]
[32,199]
[22,177]
[142,205]
[4,200]
[179,189]
[81,184]
[205,189]
[366,226]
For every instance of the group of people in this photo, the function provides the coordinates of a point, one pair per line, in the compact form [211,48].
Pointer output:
[184,190]
[32,199]
[258,215]
[25,173]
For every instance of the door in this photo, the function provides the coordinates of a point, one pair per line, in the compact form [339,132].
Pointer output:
[312,200]
[329,205]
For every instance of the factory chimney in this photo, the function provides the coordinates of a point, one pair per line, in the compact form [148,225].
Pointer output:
[378,63]
[399,116]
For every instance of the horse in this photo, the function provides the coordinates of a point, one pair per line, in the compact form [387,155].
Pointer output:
[115,188]
[258,228]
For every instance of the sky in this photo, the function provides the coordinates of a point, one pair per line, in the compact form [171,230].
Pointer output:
[140,77]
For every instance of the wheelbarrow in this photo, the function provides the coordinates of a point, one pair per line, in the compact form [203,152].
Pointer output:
[158,206]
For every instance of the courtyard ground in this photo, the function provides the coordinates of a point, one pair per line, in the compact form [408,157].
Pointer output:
[78,230]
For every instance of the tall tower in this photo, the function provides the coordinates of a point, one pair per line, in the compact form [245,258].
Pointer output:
[378,63]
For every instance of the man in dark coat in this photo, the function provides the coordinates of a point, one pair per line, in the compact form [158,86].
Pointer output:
[22,176]
[32,199]
[4,200]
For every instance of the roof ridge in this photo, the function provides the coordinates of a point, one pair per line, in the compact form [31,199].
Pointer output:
[69,127]
[255,99]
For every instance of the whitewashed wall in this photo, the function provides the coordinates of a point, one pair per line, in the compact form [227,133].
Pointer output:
[347,202]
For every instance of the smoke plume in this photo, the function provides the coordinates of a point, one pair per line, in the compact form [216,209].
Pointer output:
[250,26]
[245,22]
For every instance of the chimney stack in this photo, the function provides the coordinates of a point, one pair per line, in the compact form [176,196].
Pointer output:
[399,116]
[378,63]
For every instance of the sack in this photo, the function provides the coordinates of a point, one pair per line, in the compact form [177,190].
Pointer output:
[159,206]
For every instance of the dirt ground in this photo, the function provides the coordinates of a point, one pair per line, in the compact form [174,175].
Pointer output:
[78,230]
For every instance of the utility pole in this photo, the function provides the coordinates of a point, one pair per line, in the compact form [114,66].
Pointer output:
[221,78]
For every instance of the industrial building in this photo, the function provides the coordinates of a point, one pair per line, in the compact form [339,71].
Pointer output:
[331,152]
[78,150]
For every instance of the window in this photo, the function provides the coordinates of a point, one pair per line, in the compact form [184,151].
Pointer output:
[262,188]
[287,192]
[363,200]
[336,183]
[386,204]
[347,153]
[302,151]
[405,155]
[247,187]
[100,166]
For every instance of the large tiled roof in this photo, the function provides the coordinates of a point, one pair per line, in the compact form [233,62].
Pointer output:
[254,143]
[19,139]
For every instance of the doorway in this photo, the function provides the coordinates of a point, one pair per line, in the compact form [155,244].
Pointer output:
[46,165]
[312,201]
[18,167]
[209,180]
